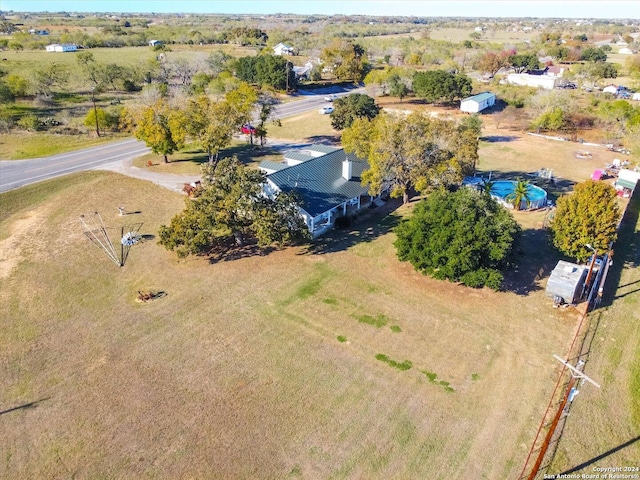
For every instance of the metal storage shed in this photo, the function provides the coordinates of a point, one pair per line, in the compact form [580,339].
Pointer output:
[478,102]
[566,282]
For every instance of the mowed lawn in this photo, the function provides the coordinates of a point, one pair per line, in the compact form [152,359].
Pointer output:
[238,372]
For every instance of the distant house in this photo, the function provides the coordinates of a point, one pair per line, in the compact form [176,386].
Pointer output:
[478,102]
[328,184]
[65,47]
[153,43]
[613,89]
[304,71]
[33,31]
[282,49]
[625,51]
[528,80]
[636,96]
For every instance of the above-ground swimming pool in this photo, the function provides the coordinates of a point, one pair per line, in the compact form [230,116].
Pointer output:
[501,189]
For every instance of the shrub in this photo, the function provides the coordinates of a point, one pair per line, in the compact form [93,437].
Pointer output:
[29,123]
[130,86]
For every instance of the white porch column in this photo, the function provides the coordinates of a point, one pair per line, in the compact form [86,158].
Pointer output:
[312,228]
[358,202]
[344,208]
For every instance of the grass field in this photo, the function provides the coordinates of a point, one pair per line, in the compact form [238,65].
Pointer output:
[308,127]
[19,146]
[266,366]
[24,62]
[458,35]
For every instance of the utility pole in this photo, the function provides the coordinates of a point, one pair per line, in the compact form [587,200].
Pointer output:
[286,72]
[570,393]
[95,110]
[593,262]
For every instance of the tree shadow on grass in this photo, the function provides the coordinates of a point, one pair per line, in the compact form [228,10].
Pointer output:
[333,140]
[371,223]
[499,138]
[230,251]
[534,260]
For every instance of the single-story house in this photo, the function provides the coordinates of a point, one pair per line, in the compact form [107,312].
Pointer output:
[328,185]
[282,49]
[478,102]
[65,47]
[613,89]
[153,43]
[527,80]
[566,282]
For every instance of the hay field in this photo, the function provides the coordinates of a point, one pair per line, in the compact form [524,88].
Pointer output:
[238,371]
[457,35]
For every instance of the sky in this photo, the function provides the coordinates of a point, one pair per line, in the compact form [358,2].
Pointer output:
[428,8]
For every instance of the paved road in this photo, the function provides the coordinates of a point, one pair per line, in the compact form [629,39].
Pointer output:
[16,173]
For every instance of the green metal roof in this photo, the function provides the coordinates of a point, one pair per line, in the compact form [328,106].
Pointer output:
[481,97]
[630,184]
[268,165]
[301,157]
[323,148]
[320,183]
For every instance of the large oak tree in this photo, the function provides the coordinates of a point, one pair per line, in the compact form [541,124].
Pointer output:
[229,207]
[413,152]
[464,236]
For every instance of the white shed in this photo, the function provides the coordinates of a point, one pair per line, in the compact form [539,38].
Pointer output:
[478,102]
[636,96]
[65,47]
[613,89]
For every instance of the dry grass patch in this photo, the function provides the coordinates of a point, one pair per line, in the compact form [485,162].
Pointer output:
[311,127]
[236,372]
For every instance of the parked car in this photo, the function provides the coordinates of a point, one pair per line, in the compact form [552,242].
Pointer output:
[248,129]
[330,98]
[326,110]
